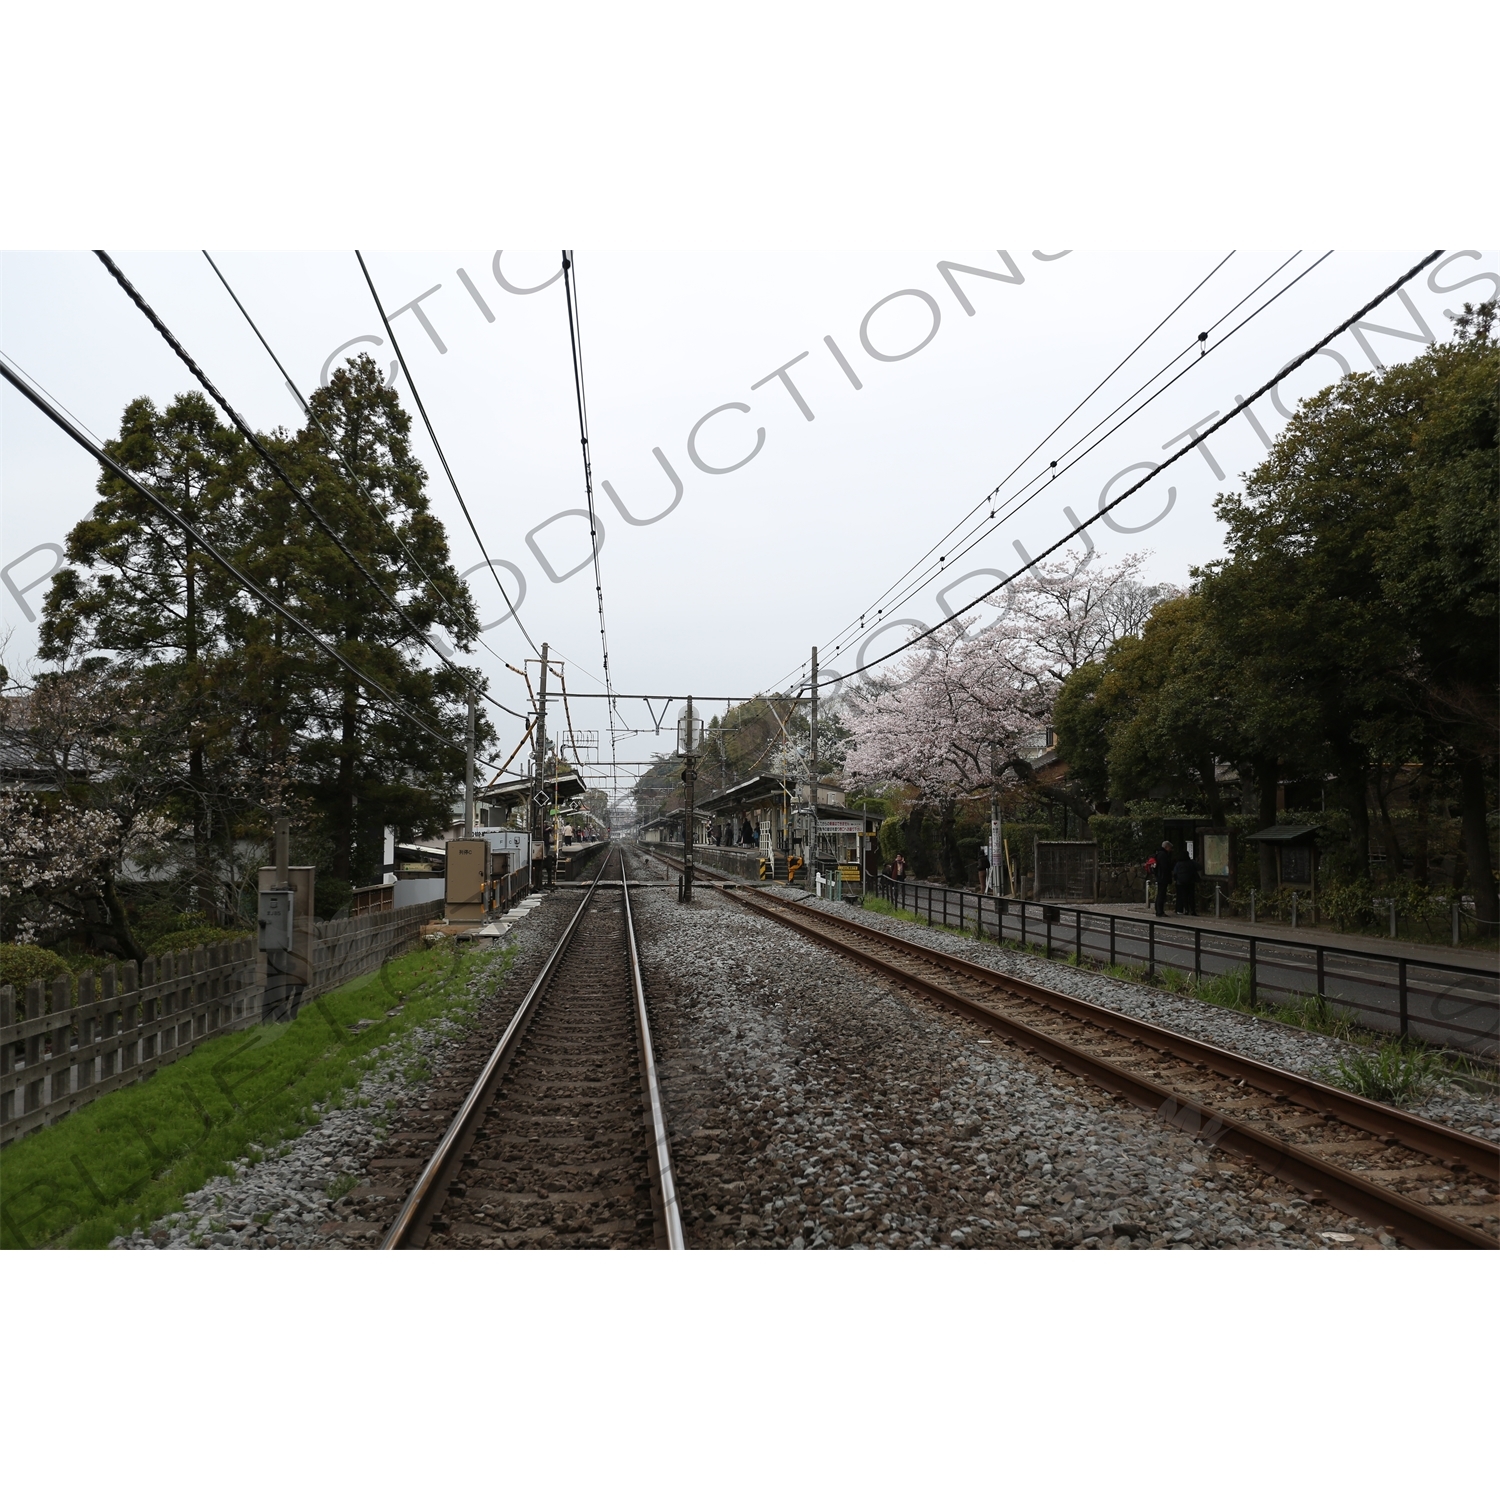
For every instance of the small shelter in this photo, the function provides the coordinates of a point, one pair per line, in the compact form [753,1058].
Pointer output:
[1296,854]
[667,829]
[769,813]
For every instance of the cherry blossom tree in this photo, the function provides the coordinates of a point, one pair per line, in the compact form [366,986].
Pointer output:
[933,720]
[58,864]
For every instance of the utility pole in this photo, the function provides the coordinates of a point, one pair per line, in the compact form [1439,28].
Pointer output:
[997,827]
[812,799]
[277,929]
[689,776]
[469,774]
[538,800]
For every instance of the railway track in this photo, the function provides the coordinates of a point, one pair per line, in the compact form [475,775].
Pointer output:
[562,1141]
[1383,1165]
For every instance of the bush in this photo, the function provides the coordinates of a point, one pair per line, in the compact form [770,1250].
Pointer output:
[1348,904]
[185,939]
[892,838]
[20,963]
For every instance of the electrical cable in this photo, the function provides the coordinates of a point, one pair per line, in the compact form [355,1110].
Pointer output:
[1055,430]
[484,551]
[104,460]
[1207,432]
[355,476]
[575,340]
[1020,499]
[82,425]
[1052,473]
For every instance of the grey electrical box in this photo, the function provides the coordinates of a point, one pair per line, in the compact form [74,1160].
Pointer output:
[276,921]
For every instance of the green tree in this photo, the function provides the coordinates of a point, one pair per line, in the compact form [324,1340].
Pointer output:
[343,750]
[1362,574]
[139,591]
[239,708]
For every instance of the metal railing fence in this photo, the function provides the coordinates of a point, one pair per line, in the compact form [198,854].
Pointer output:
[1453,1005]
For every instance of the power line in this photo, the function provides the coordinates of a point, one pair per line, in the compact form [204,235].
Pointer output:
[253,439]
[45,406]
[1020,499]
[575,339]
[53,399]
[1207,432]
[363,488]
[484,551]
[1042,481]
[1048,436]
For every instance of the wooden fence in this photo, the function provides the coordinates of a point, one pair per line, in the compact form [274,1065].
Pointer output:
[345,949]
[62,1046]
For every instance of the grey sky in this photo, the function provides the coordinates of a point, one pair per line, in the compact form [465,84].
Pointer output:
[725,593]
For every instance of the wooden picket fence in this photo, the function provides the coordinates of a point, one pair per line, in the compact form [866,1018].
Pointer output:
[67,1041]
[345,949]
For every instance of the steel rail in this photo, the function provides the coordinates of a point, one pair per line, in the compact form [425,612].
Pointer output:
[470,1111]
[1441,1142]
[661,1146]
[1438,1141]
[1418,1224]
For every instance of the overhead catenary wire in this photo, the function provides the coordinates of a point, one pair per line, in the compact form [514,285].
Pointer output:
[1240,406]
[354,474]
[202,543]
[1041,442]
[575,340]
[1041,481]
[416,396]
[253,438]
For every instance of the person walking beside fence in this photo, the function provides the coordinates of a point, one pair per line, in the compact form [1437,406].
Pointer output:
[984,868]
[1160,868]
[1184,874]
[898,867]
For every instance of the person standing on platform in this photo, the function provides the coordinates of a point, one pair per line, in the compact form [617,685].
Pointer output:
[1164,859]
[1184,874]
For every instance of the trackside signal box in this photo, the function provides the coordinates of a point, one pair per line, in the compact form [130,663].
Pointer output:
[286,939]
[276,921]
[468,880]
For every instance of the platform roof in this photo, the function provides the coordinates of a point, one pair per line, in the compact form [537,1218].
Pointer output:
[519,789]
[1286,833]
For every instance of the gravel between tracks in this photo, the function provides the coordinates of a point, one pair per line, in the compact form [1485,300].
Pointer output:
[813,1104]
[290,1192]
[1304,1052]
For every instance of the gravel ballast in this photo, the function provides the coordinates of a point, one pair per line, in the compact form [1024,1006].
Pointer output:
[812,1103]
[283,1200]
[1305,1052]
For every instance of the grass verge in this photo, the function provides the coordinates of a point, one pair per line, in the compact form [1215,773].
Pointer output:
[128,1158]
[886,909]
